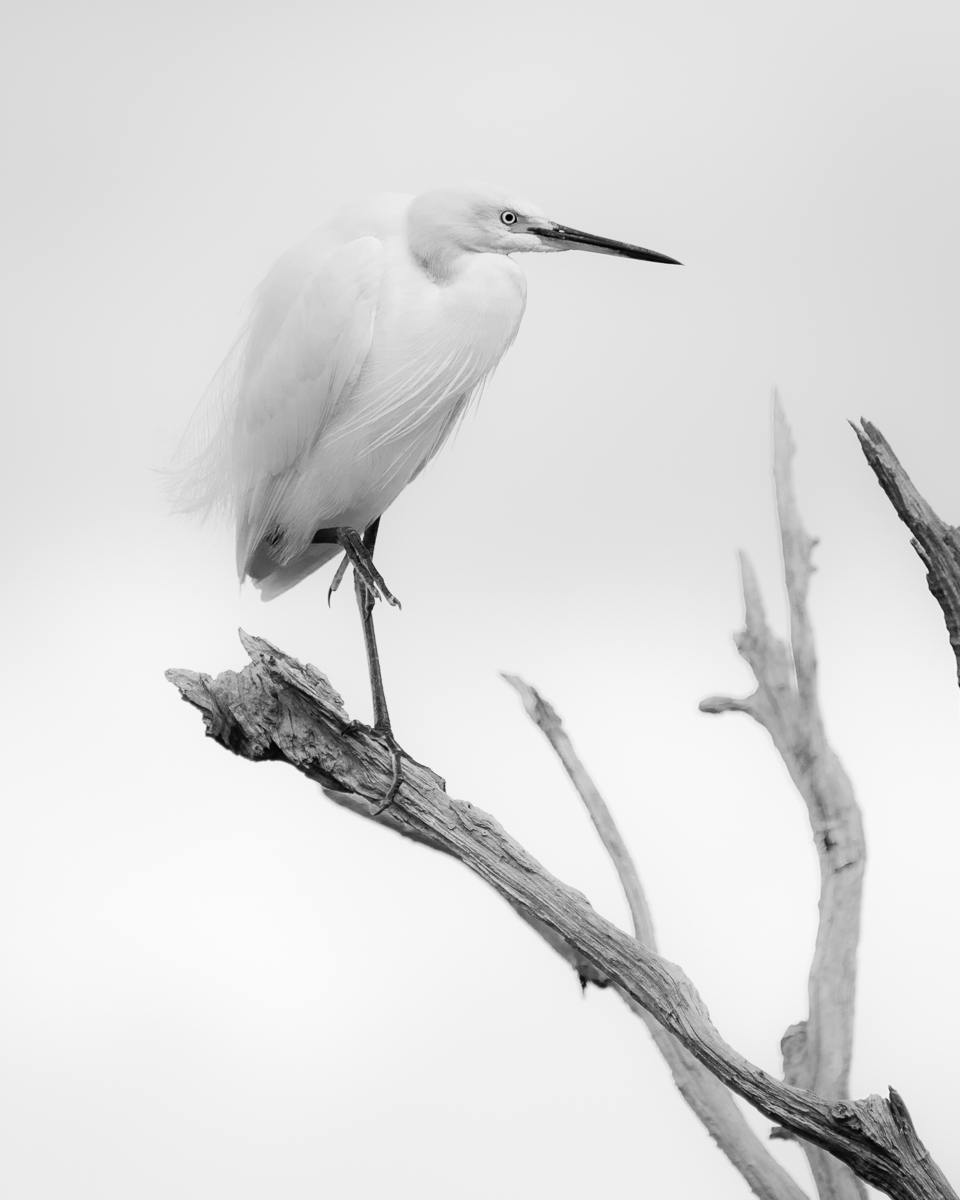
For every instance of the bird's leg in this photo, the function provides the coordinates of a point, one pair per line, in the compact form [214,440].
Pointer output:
[370,587]
[381,716]
[365,602]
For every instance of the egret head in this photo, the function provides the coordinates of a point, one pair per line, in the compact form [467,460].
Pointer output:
[445,223]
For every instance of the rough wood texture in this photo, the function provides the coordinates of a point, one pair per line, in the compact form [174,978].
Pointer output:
[278,709]
[705,1094]
[817,1052]
[937,543]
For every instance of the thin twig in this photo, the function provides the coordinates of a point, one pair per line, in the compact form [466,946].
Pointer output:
[545,717]
[708,1098]
[936,542]
[277,709]
[817,1052]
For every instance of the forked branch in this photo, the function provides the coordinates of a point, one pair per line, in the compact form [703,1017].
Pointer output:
[703,1092]
[817,1051]
[277,709]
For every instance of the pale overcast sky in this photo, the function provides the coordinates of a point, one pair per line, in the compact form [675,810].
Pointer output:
[216,984]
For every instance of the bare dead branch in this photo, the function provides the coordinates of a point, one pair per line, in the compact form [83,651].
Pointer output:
[817,1053]
[937,543]
[277,709]
[545,717]
[703,1092]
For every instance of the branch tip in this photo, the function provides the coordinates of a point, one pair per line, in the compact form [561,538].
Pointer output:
[754,616]
[784,447]
[901,1114]
[936,542]
[721,704]
[539,710]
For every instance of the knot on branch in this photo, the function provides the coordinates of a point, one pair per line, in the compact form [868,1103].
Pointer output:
[846,1114]
[793,1050]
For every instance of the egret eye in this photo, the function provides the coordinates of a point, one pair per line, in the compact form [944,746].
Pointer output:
[508,217]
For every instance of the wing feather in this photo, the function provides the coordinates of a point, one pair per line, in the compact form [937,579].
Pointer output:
[289,374]
[293,382]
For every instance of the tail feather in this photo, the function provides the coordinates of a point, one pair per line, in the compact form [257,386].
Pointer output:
[274,578]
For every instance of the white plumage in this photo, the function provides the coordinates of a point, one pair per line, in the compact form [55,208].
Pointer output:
[364,347]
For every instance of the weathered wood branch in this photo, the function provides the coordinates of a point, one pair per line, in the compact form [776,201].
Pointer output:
[817,1052]
[277,709]
[936,542]
[704,1093]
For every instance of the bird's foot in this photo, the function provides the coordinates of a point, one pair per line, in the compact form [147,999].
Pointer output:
[398,754]
[360,558]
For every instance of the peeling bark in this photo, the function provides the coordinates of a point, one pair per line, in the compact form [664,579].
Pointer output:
[277,709]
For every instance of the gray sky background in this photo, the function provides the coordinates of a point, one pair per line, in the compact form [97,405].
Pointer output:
[215,983]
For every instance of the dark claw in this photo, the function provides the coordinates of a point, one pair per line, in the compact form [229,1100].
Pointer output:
[398,754]
[394,790]
[361,559]
[338,578]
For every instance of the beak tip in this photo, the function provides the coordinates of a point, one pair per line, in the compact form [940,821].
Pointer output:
[575,239]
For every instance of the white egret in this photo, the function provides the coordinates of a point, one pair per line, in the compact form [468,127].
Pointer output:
[364,347]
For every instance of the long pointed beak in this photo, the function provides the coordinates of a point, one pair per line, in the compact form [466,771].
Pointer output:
[576,239]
